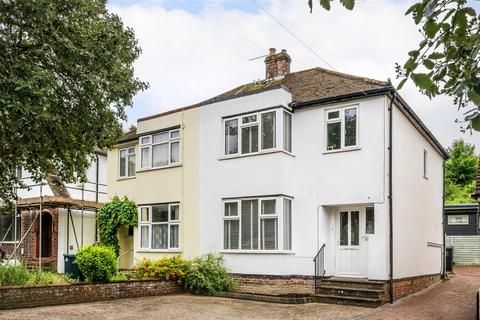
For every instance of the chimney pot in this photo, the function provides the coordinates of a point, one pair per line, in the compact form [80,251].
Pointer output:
[277,64]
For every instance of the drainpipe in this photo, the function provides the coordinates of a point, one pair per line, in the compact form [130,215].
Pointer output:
[97,166]
[390,193]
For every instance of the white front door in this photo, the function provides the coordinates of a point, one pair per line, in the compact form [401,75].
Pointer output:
[351,243]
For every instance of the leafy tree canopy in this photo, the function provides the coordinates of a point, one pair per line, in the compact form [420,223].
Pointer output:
[446,61]
[460,172]
[66,76]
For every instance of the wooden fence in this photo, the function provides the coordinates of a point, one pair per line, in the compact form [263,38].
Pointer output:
[466,249]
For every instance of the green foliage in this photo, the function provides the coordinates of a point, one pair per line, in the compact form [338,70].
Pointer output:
[174,269]
[13,275]
[460,172]
[66,74]
[447,60]
[97,263]
[120,276]
[455,193]
[208,275]
[45,277]
[111,216]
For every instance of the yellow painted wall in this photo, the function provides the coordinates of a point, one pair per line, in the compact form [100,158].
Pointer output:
[175,184]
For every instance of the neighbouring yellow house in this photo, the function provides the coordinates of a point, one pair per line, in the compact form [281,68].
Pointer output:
[157,167]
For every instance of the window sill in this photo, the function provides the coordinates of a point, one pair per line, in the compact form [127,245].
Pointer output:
[285,252]
[159,168]
[126,178]
[342,150]
[10,242]
[236,156]
[160,251]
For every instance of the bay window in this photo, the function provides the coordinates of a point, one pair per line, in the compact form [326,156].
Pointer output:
[127,162]
[7,227]
[256,132]
[341,128]
[160,150]
[257,224]
[159,226]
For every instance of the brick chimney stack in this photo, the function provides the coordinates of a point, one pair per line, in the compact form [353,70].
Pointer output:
[277,64]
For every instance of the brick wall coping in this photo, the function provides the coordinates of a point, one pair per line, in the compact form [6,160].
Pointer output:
[28,286]
[46,295]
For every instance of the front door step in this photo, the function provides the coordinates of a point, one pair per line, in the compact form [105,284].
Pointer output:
[358,292]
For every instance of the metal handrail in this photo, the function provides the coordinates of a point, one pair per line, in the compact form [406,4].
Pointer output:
[319,261]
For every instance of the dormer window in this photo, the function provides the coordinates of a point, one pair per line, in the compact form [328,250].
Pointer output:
[160,149]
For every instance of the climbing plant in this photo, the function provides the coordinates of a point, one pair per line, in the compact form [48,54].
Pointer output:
[111,216]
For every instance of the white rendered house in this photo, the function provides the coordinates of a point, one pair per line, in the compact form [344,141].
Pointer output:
[320,162]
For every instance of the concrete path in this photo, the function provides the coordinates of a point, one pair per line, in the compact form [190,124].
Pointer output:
[452,299]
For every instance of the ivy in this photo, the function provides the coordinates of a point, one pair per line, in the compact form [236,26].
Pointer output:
[111,216]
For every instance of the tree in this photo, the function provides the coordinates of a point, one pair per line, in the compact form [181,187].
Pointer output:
[460,172]
[66,76]
[447,59]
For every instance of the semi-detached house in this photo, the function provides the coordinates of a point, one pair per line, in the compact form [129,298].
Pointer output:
[302,176]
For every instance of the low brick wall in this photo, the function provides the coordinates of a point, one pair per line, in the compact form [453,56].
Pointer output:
[35,296]
[406,286]
[275,285]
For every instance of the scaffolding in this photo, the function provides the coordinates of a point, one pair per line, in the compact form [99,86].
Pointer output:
[43,202]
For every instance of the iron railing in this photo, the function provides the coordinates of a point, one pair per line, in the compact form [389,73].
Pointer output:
[319,261]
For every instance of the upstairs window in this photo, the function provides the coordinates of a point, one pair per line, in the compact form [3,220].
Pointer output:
[160,150]
[255,132]
[425,163]
[127,162]
[341,128]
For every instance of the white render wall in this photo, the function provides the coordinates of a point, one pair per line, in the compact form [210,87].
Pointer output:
[314,179]
[88,233]
[89,193]
[417,202]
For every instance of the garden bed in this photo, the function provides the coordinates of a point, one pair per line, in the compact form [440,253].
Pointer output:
[44,295]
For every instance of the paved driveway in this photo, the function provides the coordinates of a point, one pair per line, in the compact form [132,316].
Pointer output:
[452,299]
[185,307]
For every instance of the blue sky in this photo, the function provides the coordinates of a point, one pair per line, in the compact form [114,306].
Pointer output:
[193,50]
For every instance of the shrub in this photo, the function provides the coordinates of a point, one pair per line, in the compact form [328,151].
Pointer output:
[208,275]
[120,276]
[97,263]
[13,275]
[44,277]
[174,269]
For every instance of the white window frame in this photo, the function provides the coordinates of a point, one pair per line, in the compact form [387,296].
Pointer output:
[149,146]
[453,221]
[425,163]
[128,155]
[279,216]
[258,122]
[341,119]
[169,224]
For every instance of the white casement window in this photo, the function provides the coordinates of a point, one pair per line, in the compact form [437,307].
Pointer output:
[159,226]
[251,133]
[127,162]
[457,219]
[425,163]
[160,150]
[287,131]
[258,224]
[341,128]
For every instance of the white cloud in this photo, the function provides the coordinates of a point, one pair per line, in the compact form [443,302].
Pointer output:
[188,58]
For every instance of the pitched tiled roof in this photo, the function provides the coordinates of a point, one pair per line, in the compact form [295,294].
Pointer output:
[306,85]
[128,136]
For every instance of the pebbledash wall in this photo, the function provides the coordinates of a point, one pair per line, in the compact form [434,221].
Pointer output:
[44,295]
